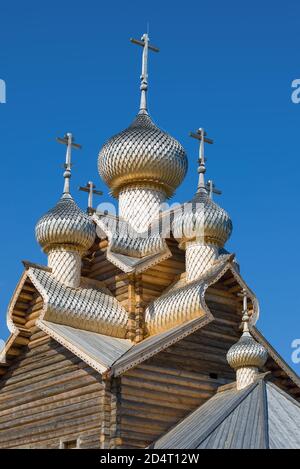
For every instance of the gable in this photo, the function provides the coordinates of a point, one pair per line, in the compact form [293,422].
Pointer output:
[49,394]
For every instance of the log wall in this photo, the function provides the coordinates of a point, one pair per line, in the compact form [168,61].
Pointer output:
[160,392]
[49,396]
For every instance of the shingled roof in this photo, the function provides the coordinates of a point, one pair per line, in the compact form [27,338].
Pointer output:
[261,416]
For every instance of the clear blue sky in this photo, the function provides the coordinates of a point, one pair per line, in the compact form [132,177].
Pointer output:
[226,66]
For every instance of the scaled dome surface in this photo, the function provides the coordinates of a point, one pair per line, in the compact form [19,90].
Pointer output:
[143,155]
[202,219]
[247,352]
[66,223]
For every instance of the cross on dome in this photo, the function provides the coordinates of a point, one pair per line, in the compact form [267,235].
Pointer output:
[200,135]
[144,42]
[245,317]
[68,140]
[211,188]
[91,189]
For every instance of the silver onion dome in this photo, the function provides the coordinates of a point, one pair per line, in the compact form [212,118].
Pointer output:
[202,219]
[67,224]
[247,352]
[142,155]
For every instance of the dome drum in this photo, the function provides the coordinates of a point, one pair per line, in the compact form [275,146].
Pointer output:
[65,233]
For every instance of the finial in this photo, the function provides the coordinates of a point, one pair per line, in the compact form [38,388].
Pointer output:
[91,189]
[68,140]
[144,42]
[200,134]
[211,188]
[245,317]
[246,356]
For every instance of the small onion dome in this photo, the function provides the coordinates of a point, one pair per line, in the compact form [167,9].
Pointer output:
[202,219]
[247,352]
[142,155]
[67,224]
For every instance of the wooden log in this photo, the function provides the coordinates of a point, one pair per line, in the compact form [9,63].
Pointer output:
[155,395]
[40,418]
[156,280]
[34,308]
[167,379]
[13,351]
[25,296]
[29,287]
[58,399]
[21,306]
[19,320]
[37,342]
[58,429]
[38,393]
[19,340]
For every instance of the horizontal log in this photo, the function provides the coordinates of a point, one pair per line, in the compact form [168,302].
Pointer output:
[154,279]
[103,267]
[64,426]
[21,314]
[19,320]
[37,342]
[13,352]
[43,441]
[45,388]
[230,338]
[170,387]
[210,297]
[58,398]
[34,309]
[149,409]
[20,340]
[156,394]
[43,417]
[144,425]
[21,382]
[38,335]
[23,306]
[165,378]
[29,287]
[25,296]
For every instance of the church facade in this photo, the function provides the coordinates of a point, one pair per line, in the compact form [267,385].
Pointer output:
[140,330]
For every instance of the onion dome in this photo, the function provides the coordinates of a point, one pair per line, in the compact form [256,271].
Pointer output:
[65,224]
[202,219]
[142,155]
[246,352]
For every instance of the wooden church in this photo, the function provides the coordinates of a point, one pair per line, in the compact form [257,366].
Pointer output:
[140,331]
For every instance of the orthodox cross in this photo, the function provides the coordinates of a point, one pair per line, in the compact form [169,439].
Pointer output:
[144,42]
[200,134]
[245,318]
[68,140]
[91,189]
[211,187]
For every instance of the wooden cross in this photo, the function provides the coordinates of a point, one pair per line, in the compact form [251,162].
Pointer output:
[90,188]
[210,186]
[245,318]
[200,135]
[68,140]
[144,42]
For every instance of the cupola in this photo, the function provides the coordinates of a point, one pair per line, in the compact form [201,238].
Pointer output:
[65,232]
[142,165]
